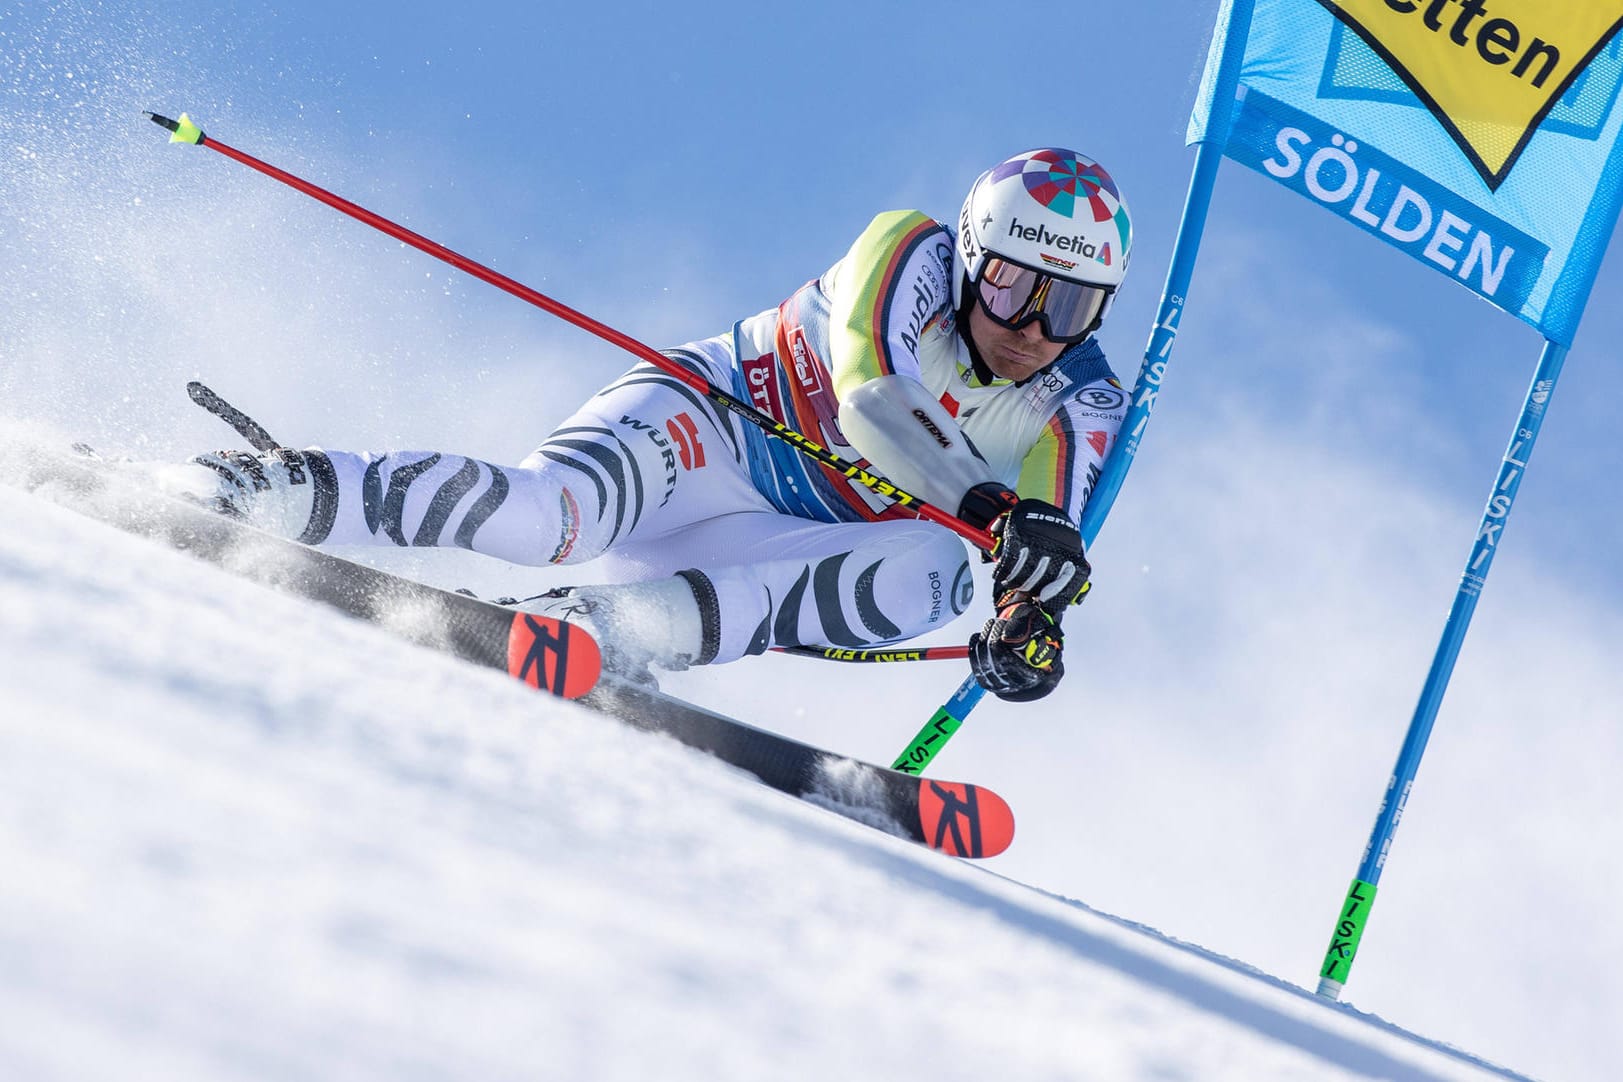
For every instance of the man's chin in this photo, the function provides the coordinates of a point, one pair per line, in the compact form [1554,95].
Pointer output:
[1016,368]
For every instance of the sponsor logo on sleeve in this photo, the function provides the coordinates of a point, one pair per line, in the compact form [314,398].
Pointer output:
[667,455]
[761,377]
[1104,399]
[569,529]
[808,370]
[963,589]
[931,427]
[929,305]
[685,434]
[1046,386]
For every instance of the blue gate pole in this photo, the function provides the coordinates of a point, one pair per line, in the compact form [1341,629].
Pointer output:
[1360,898]
[1208,155]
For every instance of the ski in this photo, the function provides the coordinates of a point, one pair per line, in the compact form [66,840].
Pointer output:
[955,818]
[552,656]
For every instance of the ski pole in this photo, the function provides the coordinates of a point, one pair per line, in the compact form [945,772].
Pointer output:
[248,428]
[881,655]
[939,729]
[185,131]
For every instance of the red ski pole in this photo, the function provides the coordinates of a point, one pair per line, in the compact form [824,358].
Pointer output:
[184,131]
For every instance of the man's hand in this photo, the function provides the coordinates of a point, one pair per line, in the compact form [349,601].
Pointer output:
[1037,547]
[1039,556]
[1040,571]
[1016,656]
[280,490]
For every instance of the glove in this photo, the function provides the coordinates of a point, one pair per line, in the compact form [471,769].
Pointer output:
[277,491]
[1040,570]
[1016,656]
[1039,557]
[1037,548]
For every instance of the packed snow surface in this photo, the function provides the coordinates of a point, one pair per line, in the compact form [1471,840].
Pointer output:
[247,837]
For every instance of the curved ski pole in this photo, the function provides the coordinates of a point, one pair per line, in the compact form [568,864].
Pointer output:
[185,131]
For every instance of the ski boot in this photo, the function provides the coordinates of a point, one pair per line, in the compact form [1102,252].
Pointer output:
[639,625]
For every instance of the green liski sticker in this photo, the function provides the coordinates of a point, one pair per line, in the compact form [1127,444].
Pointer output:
[935,733]
[1338,959]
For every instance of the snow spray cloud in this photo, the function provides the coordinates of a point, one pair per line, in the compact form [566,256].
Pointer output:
[133,267]
[92,308]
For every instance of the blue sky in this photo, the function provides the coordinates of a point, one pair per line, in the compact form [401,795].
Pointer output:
[1277,570]
[724,158]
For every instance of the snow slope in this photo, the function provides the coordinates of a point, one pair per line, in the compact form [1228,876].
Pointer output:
[245,837]
[1268,592]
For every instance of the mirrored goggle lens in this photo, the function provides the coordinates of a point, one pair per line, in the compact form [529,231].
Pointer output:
[1015,295]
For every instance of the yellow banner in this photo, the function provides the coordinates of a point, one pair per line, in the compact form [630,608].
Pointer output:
[1489,70]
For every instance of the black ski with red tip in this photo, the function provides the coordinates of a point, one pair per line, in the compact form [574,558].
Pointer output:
[559,658]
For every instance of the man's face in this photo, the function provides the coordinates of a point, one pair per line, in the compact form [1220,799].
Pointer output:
[1011,354]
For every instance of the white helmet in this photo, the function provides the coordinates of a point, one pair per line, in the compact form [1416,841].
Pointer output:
[1044,236]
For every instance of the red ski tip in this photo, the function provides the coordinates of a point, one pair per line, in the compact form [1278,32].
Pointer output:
[964,820]
[552,656]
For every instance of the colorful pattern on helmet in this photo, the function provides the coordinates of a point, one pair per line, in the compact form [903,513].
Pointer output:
[1062,181]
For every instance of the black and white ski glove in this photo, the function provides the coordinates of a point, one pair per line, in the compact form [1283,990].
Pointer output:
[1037,547]
[1017,655]
[281,490]
[1039,555]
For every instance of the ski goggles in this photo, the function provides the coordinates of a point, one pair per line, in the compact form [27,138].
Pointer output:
[1014,295]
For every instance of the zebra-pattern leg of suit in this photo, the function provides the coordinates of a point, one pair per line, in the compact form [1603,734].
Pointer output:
[642,458]
[775,580]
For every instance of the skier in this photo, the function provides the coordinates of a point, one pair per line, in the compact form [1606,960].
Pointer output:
[961,366]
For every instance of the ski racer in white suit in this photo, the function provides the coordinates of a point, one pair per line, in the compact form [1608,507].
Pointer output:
[960,365]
